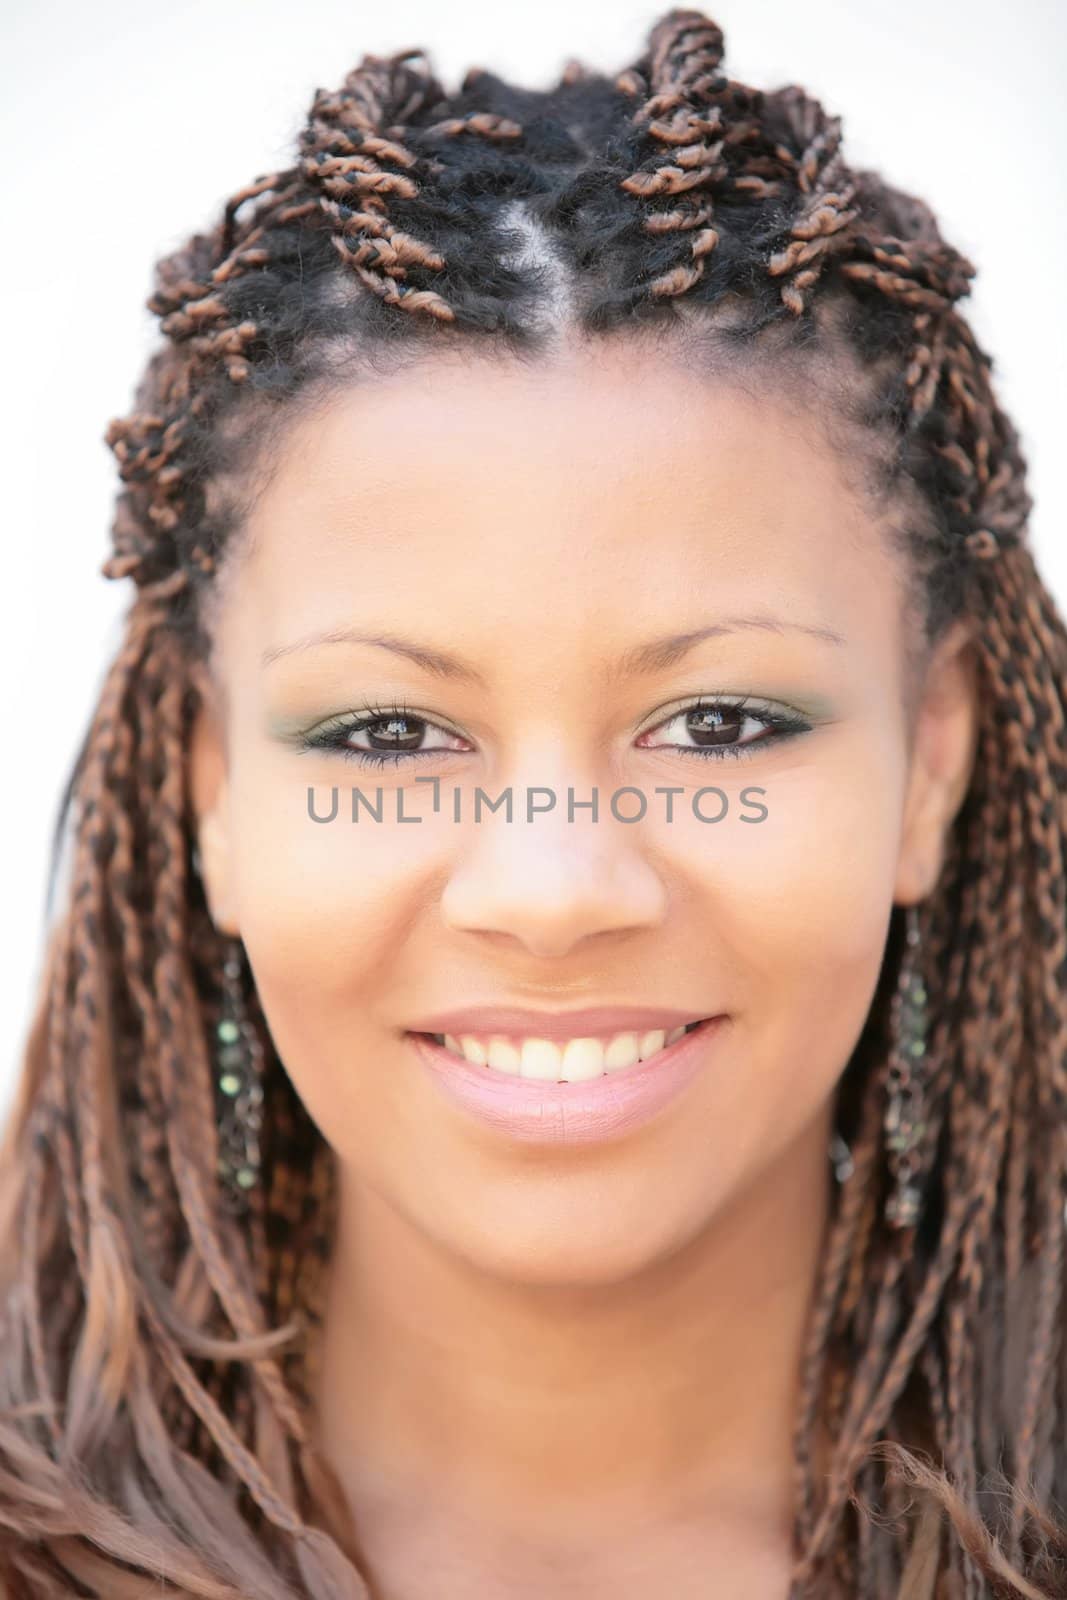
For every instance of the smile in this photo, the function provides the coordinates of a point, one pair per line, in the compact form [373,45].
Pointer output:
[566,1061]
[517,1091]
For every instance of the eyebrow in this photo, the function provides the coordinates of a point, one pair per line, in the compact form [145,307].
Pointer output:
[654,656]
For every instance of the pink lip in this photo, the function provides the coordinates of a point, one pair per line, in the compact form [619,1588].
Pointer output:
[514,1022]
[537,1111]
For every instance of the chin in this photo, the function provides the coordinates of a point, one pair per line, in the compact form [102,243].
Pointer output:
[568,1241]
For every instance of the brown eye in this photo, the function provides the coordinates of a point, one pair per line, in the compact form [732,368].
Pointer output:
[726,728]
[397,732]
[393,733]
[711,726]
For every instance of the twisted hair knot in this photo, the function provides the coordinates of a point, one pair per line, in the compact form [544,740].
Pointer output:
[369,184]
[352,139]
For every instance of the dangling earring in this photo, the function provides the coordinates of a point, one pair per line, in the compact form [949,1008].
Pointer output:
[239,1086]
[904,1127]
[840,1158]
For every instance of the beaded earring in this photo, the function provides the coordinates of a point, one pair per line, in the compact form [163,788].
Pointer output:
[840,1158]
[903,1122]
[239,1087]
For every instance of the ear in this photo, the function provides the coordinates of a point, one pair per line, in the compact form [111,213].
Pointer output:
[946,737]
[209,797]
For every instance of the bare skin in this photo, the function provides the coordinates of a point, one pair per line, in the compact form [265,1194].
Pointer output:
[572,1370]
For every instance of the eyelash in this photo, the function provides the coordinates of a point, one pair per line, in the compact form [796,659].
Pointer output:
[785,725]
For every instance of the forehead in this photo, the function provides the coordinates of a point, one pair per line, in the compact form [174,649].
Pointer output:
[603,478]
[606,409]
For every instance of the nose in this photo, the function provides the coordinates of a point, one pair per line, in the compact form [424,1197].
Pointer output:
[551,883]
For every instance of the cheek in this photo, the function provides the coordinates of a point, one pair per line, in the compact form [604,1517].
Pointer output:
[809,889]
[798,910]
[324,902]
[326,911]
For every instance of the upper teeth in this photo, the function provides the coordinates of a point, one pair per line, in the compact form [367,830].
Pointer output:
[566,1062]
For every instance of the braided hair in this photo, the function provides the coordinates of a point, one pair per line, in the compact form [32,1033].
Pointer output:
[154,1432]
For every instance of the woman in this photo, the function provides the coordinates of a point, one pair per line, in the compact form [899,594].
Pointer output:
[550,1075]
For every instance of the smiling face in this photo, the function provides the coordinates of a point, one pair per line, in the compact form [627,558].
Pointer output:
[539,527]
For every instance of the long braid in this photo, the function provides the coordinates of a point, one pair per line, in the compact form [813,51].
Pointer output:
[149,670]
[154,1350]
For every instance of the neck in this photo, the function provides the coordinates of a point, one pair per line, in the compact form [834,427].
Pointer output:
[519,1407]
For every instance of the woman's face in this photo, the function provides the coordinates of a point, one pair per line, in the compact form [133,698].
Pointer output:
[540,527]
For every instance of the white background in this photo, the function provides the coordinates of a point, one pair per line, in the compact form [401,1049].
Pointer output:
[125,124]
